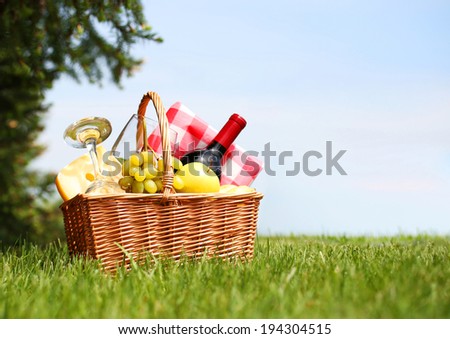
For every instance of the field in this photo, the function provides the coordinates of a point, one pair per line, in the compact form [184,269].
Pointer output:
[290,277]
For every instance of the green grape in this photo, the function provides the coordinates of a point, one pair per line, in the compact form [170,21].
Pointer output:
[178,183]
[136,160]
[176,163]
[139,175]
[126,168]
[160,164]
[126,182]
[147,157]
[137,187]
[159,184]
[150,186]
[150,172]
[133,170]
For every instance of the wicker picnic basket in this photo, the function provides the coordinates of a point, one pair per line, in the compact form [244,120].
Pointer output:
[117,227]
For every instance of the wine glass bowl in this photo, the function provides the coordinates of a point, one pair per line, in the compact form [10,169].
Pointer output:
[88,133]
[138,133]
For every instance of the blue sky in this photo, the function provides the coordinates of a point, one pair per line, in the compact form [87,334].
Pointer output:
[373,77]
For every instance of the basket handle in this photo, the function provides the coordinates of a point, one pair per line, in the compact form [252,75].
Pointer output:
[167,179]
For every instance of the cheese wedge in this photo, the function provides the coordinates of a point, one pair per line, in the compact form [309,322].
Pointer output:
[76,177]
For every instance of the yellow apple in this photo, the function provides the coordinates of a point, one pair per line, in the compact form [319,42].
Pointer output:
[198,178]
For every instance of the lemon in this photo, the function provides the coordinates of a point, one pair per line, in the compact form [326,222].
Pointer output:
[241,189]
[198,178]
[226,188]
[234,189]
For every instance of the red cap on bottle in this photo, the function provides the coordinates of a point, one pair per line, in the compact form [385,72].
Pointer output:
[238,119]
[230,130]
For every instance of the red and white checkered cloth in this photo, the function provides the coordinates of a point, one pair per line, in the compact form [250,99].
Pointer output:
[238,168]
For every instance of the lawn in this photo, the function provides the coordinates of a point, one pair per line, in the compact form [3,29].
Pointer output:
[289,277]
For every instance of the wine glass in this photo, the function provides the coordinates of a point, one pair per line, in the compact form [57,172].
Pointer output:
[88,133]
[140,133]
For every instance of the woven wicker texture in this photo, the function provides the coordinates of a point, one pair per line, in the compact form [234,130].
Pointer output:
[114,227]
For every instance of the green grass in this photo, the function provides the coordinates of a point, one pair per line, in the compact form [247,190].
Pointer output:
[290,277]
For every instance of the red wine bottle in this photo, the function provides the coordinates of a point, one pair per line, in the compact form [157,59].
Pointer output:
[212,155]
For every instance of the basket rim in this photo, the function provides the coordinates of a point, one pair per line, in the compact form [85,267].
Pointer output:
[172,197]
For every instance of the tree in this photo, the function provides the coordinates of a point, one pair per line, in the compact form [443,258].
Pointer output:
[39,42]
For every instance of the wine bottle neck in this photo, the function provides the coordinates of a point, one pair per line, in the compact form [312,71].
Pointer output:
[216,146]
[229,132]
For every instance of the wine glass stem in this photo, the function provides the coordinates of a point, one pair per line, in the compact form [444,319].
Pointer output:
[91,145]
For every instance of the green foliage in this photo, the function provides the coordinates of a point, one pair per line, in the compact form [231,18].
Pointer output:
[289,277]
[40,41]
[48,38]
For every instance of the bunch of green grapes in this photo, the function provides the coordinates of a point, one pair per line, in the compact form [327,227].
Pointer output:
[142,173]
